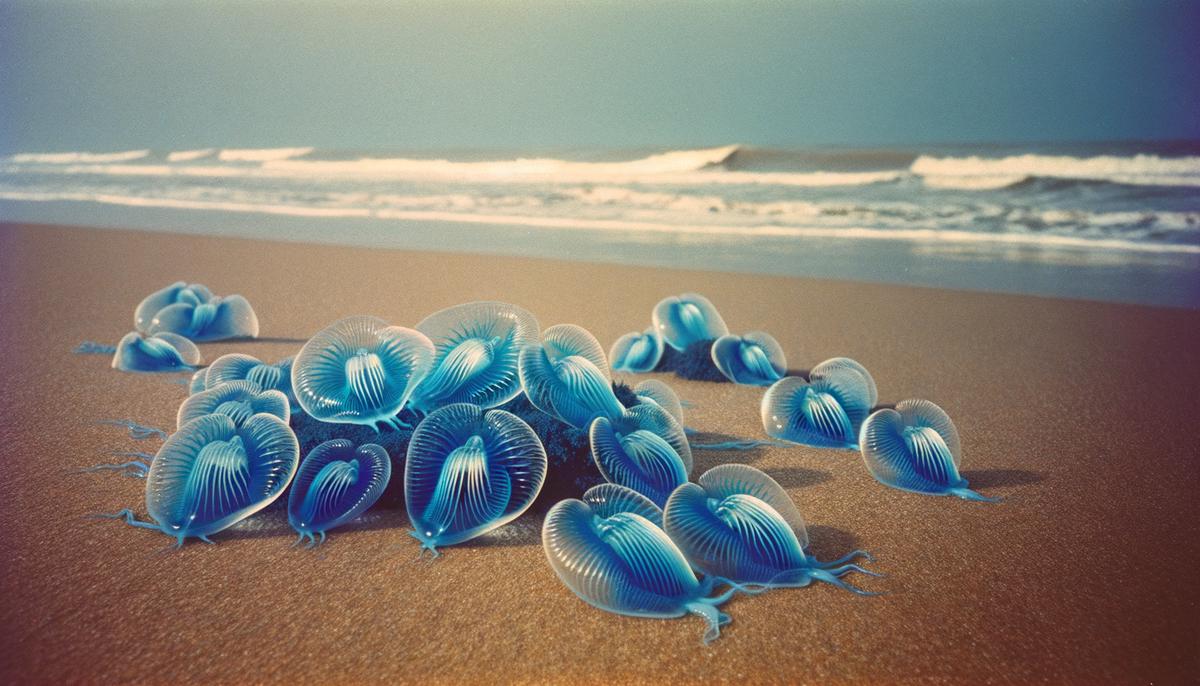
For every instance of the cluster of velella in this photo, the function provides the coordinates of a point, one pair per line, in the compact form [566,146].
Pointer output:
[647,542]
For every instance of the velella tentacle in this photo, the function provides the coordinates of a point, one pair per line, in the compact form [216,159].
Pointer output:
[137,431]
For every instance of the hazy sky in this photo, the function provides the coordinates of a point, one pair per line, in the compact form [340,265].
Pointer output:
[117,75]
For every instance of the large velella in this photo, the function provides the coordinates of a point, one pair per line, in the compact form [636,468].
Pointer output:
[659,393]
[755,359]
[360,370]
[242,367]
[165,352]
[239,400]
[637,353]
[739,524]
[212,473]
[644,449]
[826,411]
[178,293]
[566,375]
[915,447]
[686,319]
[476,349]
[469,471]
[624,563]
[214,319]
[839,363]
[336,483]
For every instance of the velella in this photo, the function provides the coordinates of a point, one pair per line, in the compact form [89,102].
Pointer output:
[242,367]
[608,499]
[915,447]
[212,473]
[637,353]
[644,449]
[565,375]
[198,382]
[469,471]
[659,393]
[737,523]
[239,400]
[686,319]
[755,359]
[825,411]
[477,346]
[360,370]
[178,293]
[828,366]
[621,562]
[193,311]
[335,484]
[164,352]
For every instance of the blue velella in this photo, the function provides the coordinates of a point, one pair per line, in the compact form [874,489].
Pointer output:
[686,319]
[755,359]
[360,370]
[164,352]
[825,411]
[620,561]
[212,473]
[566,376]
[608,499]
[242,367]
[476,349]
[915,447]
[637,353]
[659,393]
[839,363]
[644,449]
[469,471]
[336,483]
[198,382]
[193,311]
[739,524]
[239,400]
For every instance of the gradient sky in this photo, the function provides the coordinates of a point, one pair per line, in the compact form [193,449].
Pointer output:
[429,75]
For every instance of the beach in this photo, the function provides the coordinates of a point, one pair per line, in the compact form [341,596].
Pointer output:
[1078,414]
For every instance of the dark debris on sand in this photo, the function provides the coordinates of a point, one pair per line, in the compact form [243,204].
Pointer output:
[694,363]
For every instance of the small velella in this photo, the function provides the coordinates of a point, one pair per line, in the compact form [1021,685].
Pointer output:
[565,375]
[915,447]
[336,483]
[178,293]
[164,352]
[644,449]
[360,370]
[659,393]
[242,367]
[618,560]
[212,473]
[239,400]
[755,359]
[477,346]
[828,366]
[737,523]
[469,471]
[637,353]
[686,319]
[826,411]
[189,313]
[198,382]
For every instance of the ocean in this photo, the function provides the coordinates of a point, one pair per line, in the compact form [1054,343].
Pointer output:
[1110,221]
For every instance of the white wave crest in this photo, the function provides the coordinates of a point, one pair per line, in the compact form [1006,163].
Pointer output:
[981,173]
[189,155]
[260,155]
[77,157]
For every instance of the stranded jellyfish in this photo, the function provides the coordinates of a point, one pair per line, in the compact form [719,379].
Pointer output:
[212,473]
[637,353]
[755,359]
[826,411]
[608,499]
[644,449]
[360,370]
[241,367]
[826,367]
[335,484]
[915,447]
[239,400]
[566,376]
[476,349]
[193,311]
[737,523]
[659,393]
[469,471]
[198,382]
[164,352]
[687,319]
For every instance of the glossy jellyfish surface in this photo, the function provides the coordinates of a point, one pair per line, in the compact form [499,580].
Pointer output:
[755,359]
[360,370]
[622,562]
[637,353]
[242,367]
[198,382]
[469,471]
[840,363]
[566,376]
[915,447]
[191,315]
[336,483]
[737,523]
[644,449]
[608,499]
[178,293]
[825,412]
[659,393]
[686,319]
[476,350]
[165,352]
[239,400]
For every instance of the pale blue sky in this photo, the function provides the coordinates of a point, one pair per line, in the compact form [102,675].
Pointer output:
[429,75]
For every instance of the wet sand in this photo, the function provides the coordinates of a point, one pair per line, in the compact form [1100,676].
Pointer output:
[1080,415]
